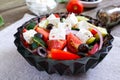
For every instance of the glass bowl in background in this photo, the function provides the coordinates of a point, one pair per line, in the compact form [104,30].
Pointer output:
[40,7]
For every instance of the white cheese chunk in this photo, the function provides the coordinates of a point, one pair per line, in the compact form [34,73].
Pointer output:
[84,35]
[53,20]
[82,25]
[57,33]
[52,16]
[43,23]
[102,30]
[71,19]
[28,35]
[64,25]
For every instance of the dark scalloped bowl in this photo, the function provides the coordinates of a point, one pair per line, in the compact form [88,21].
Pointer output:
[67,67]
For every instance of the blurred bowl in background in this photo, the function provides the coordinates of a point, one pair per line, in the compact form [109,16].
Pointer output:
[90,4]
[40,7]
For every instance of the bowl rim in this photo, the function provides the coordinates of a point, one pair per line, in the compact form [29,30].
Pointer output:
[95,2]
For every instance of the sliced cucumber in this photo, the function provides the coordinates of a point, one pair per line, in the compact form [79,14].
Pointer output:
[31,25]
[39,41]
[81,18]
[103,31]
[77,29]
[34,45]
[43,23]
[91,40]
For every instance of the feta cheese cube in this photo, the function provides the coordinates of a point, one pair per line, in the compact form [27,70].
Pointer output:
[84,35]
[43,23]
[28,35]
[71,19]
[53,20]
[57,33]
[82,25]
[64,25]
[102,30]
[52,16]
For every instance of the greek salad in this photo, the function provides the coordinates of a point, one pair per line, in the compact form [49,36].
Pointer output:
[63,37]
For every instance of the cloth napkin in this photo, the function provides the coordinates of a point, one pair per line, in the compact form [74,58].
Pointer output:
[14,67]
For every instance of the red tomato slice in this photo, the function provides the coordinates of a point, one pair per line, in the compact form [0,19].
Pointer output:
[25,43]
[62,55]
[57,15]
[56,44]
[24,30]
[72,43]
[43,32]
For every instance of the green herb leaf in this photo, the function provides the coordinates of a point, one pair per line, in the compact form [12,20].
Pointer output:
[31,25]
[1,21]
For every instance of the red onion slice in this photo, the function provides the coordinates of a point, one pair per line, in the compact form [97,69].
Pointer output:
[100,36]
[42,51]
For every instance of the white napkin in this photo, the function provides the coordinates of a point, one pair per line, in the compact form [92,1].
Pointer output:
[14,67]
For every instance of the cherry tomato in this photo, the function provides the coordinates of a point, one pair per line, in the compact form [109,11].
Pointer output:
[74,6]
[43,32]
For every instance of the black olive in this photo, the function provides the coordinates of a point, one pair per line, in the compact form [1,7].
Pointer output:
[42,51]
[83,48]
[38,35]
[63,15]
[49,26]
[47,15]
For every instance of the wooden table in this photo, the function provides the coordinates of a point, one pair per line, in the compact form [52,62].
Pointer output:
[15,9]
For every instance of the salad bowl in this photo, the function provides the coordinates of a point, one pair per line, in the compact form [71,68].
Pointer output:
[61,51]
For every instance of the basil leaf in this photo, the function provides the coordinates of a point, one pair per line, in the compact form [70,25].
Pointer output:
[1,21]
